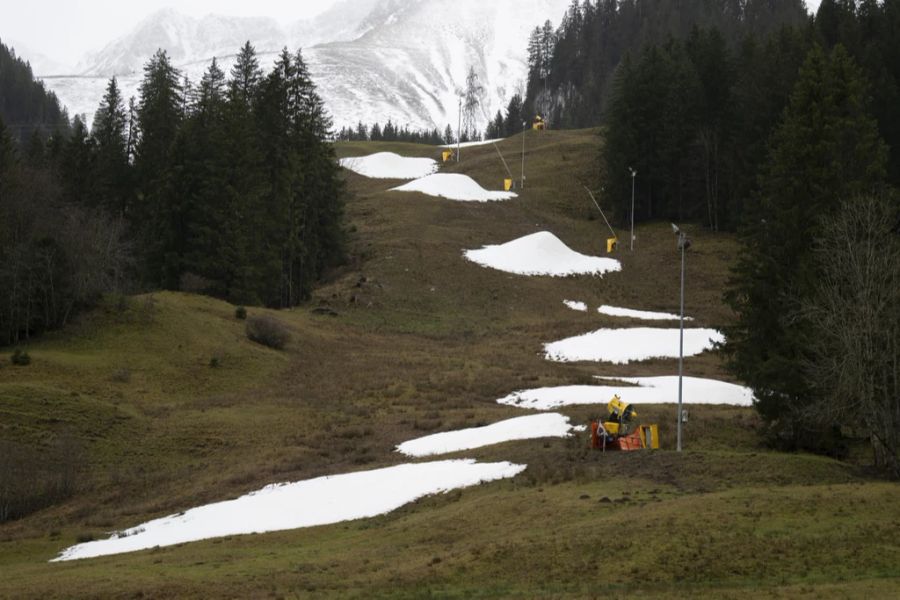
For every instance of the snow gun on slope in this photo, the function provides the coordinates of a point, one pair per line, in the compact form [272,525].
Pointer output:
[617,433]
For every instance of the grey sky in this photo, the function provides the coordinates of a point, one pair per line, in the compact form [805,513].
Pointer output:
[64,30]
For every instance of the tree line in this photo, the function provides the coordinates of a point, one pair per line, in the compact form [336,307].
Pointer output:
[395,133]
[26,106]
[228,187]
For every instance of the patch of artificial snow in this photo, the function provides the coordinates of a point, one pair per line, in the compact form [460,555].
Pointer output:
[388,165]
[614,311]
[308,503]
[472,144]
[453,187]
[541,253]
[579,306]
[650,390]
[519,428]
[622,346]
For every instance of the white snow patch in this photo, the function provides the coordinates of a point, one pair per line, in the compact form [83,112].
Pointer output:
[472,144]
[579,306]
[519,428]
[453,187]
[388,165]
[651,390]
[541,253]
[622,346]
[308,503]
[615,311]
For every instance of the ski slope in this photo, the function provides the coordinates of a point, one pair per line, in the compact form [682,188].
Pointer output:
[519,428]
[388,165]
[643,390]
[541,253]
[308,503]
[622,346]
[453,186]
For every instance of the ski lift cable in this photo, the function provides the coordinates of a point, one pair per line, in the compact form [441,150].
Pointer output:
[494,143]
[602,214]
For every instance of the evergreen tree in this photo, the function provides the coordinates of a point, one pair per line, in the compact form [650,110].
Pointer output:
[515,116]
[78,166]
[25,104]
[713,64]
[827,148]
[156,214]
[110,133]
[7,154]
[246,184]
[204,176]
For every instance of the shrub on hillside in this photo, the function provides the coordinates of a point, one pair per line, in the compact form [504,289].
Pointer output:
[121,376]
[240,313]
[35,477]
[268,331]
[20,358]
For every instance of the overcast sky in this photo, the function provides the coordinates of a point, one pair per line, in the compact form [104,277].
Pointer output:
[64,30]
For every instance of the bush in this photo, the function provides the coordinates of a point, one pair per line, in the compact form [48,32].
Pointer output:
[240,313]
[20,358]
[268,331]
[35,477]
[121,376]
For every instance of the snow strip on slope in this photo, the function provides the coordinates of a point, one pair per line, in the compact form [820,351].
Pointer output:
[472,144]
[453,186]
[652,390]
[520,428]
[622,346]
[615,311]
[387,165]
[302,504]
[541,253]
[579,306]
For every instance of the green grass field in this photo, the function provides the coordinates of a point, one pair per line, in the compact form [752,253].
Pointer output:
[161,403]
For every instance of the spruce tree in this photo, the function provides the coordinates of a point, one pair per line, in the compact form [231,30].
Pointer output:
[7,154]
[157,214]
[78,166]
[206,175]
[110,132]
[243,203]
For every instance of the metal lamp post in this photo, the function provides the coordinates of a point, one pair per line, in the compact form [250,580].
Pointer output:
[524,131]
[459,130]
[684,242]
[633,176]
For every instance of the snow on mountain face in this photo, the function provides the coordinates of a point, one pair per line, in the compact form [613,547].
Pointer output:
[373,60]
[187,40]
[412,66]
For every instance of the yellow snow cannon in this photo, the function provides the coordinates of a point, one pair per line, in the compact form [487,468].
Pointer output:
[616,432]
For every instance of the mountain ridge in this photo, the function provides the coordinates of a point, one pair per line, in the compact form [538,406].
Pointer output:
[373,60]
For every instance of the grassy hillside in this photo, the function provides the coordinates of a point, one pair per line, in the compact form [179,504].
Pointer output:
[160,403]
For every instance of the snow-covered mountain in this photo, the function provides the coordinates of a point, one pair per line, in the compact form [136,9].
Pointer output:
[406,60]
[186,39]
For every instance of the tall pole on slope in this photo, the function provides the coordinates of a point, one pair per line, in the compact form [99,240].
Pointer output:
[684,242]
[633,176]
[524,131]
[459,130]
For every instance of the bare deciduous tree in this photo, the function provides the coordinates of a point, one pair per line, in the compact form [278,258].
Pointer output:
[854,361]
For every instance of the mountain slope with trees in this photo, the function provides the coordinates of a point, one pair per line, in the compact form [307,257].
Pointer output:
[229,189]
[26,106]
